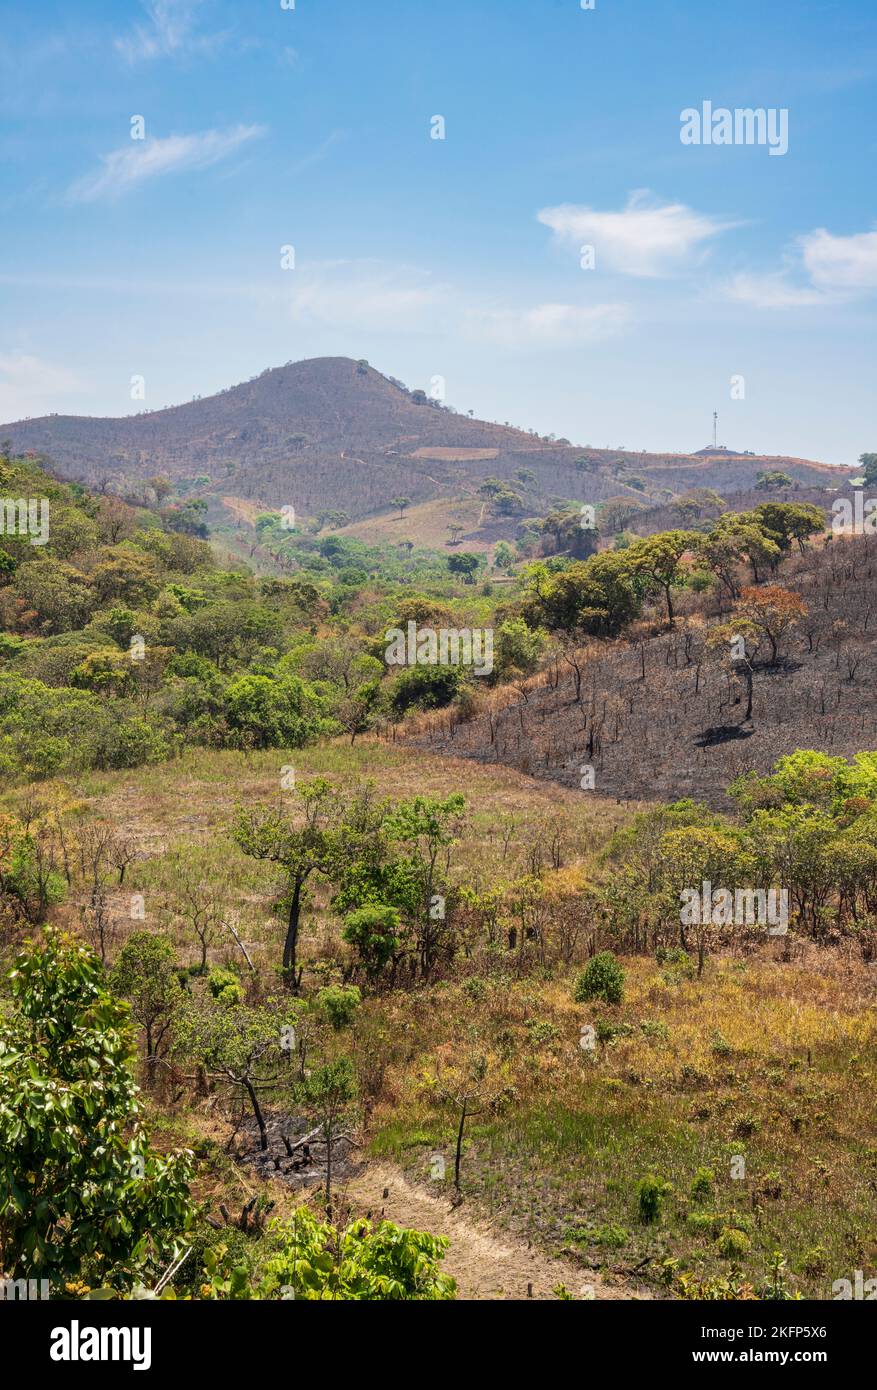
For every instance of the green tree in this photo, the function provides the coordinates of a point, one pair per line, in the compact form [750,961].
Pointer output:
[464,564]
[300,850]
[772,478]
[146,975]
[264,712]
[692,855]
[786,522]
[597,596]
[329,1092]
[602,978]
[869,465]
[81,1191]
[237,1043]
[427,828]
[358,710]
[374,933]
[469,1087]
[658,559]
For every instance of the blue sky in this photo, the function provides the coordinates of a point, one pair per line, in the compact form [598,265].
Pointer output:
[459,258]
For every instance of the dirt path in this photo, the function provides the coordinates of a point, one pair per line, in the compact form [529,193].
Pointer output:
[484,1264]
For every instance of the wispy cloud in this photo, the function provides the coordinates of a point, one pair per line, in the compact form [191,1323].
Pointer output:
[30,385]
[548,325]
[775,290]
[141,160]
[645,239]
[841,264]
[365,294]
[168,32]
[819,268]
[316,155]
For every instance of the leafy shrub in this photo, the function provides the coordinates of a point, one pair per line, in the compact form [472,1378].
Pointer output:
[651,1192]
[382,1263]
[70,1146]
[733,1243]
[602,978]
[475,987]
[374,932]
[225,986]
[425,687]
[541,1031]
[610,1236]
[339,1003]
[266,713]
[745,1126]
[678,965]
[655,1028]
[607,1032]
[703,1222]
[702,1184]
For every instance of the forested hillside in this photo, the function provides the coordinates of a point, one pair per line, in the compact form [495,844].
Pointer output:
[369,954]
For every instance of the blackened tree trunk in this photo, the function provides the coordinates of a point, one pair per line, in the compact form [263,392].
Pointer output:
[257,1111]
[458,1157]
[290,945]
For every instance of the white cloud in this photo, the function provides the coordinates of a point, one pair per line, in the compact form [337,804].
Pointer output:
[840,264]
[31,386]
[365,294]
[774,291]
[141,160]
[169,31]
[819,268]
[645,239]
[375,296]
[548,325]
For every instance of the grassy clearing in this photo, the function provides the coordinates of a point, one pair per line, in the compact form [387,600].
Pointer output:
[760,1061]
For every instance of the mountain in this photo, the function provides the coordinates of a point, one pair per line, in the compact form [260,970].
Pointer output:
[331,432]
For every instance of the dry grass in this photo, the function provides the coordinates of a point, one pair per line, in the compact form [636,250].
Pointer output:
[760,1059]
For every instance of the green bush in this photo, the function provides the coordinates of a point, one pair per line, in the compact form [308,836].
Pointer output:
[339,1003]
[607,1032]
[602,978]
[316,1260]
[702,1185]
[541,1030]
[733,1243]
[650,1193]
[655,1028]
[225,986]
[81,1189]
